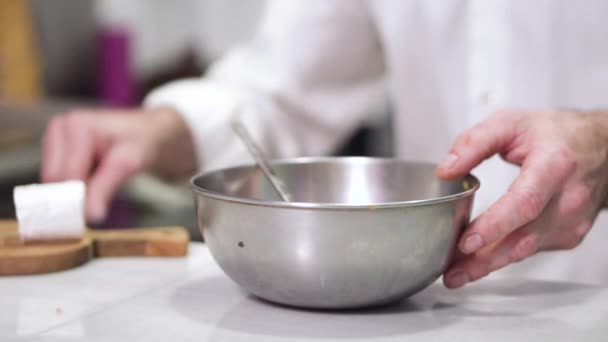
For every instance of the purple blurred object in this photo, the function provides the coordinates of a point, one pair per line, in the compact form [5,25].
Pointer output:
[116,85]
[121,213]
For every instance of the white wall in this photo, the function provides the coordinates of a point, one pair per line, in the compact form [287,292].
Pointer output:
[161,29]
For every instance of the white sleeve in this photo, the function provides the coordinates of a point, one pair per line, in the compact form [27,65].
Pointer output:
[302,85]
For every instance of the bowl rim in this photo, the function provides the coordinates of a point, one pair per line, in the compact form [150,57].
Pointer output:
[475,184]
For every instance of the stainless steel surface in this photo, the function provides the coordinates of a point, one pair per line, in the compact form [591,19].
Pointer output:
[256,152]
[359,232]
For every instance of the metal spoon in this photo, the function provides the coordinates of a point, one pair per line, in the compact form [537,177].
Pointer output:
[256,152]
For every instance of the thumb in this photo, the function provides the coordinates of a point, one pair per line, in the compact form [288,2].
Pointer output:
[477,144]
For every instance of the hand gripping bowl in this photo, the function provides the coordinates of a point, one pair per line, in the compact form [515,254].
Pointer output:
[359,231]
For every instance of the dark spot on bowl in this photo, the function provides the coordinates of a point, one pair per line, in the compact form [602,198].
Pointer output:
[241,244]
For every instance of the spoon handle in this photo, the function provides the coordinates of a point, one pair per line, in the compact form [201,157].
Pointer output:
[255,151]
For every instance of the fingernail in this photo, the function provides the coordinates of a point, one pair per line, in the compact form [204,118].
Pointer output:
[458,279]
[449,161]
[472,244]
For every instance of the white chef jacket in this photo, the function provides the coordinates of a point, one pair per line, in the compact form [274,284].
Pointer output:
[316,68]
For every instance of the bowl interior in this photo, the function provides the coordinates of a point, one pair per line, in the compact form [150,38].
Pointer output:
[341,181]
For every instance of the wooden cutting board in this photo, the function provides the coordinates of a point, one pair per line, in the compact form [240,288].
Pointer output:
[18,257]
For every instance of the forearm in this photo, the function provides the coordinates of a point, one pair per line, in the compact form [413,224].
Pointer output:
[300,86]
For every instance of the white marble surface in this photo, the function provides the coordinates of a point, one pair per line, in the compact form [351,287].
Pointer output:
[191,300]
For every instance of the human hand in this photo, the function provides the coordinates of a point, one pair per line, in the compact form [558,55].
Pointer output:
[554,201]
[105,148]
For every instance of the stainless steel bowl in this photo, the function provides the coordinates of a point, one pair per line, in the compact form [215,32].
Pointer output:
[360,231]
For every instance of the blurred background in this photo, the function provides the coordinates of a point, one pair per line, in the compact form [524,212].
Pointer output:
[63,54]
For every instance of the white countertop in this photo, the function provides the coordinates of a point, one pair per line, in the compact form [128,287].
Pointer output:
[190,299]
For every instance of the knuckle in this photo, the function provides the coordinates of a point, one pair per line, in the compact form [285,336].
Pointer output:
[478,139]
[475,136]
[577,236]
[130,163]
[575,201]
[531,204]
[462,140]
[501,257]
[582,230]
[525,247]
[565,162]
[137,163]
[479,270]
[495,230]
[75,119]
